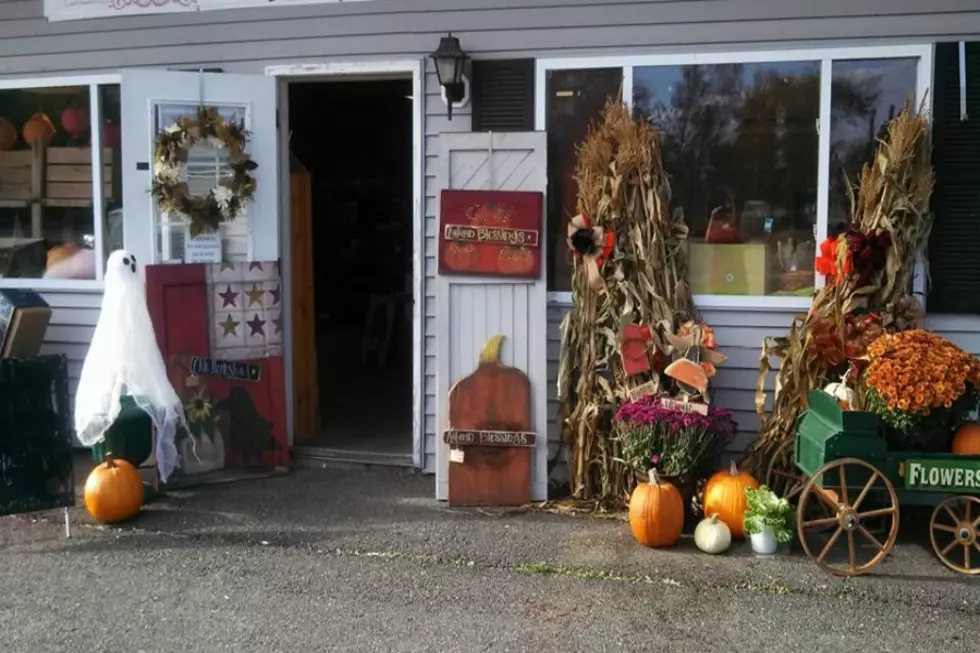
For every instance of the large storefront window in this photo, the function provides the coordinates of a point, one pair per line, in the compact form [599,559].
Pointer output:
[757,183]
[60,193]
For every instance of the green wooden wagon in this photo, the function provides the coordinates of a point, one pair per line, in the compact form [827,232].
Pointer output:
[848,486]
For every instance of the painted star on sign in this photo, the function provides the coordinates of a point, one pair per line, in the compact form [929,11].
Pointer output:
[228,297]
[277,322]
[276,295]
[256,324]
[230,326]
[255,295]
[227,265]
[255,265]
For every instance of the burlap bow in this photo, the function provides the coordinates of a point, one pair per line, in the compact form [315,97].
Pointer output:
[593,245]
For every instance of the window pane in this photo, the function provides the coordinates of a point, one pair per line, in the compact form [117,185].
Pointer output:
[574,100]
[206,168]
[46,218]
[740,146]
[865,96]
[112,224]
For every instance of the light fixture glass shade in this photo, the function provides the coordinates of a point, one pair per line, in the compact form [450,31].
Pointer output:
[450,60]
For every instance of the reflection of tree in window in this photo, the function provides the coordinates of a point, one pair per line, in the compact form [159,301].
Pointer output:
[865,96]
[575,99]
[742,131]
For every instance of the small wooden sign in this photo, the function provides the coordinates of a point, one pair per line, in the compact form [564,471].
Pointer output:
[644,389]
[636,358]
[225,369]
[456,438]
[491,233]
[685,406]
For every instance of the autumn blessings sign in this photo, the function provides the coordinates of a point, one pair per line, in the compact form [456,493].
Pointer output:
[491,233]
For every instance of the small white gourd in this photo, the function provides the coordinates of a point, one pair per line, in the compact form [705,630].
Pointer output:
[844,396]
[712,535]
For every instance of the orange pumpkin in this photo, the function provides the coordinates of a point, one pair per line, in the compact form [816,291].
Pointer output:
[966,442]
[461,256]
[656,513]
[39,127]
[113,491]
[724,493]
[8,135]
[515,260]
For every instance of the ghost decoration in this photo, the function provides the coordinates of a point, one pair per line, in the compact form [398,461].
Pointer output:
[124,359]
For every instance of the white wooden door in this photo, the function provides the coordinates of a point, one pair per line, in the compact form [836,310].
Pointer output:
[153,100]
[471,309]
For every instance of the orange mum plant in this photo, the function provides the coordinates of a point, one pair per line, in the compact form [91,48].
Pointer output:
[916,379]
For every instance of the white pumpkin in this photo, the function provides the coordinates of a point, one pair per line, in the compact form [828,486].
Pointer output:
[844,395]
[712,535]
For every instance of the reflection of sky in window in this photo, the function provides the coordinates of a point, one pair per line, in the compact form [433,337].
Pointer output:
[661,82]
[895,81]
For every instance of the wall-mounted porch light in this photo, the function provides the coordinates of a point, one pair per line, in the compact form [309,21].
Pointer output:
[450,61]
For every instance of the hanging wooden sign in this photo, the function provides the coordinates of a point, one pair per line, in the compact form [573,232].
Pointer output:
[491,233]
[490,437]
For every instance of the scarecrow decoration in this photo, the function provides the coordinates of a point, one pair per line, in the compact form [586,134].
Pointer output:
[697,358]
[593,245]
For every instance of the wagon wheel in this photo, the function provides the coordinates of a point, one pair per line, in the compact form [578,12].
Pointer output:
[954,527]
[782,477]
[863,550]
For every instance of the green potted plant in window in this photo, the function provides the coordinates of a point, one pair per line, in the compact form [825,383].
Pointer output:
[768,520]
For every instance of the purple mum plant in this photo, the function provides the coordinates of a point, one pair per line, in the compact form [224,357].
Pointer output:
[675,441]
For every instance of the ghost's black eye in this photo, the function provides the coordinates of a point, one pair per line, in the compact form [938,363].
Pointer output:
[132,267]
[133,257]
[125,260]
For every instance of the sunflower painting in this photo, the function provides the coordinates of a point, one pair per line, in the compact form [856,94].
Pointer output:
[201,446]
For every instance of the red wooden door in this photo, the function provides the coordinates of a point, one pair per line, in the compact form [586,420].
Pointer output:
[219,328]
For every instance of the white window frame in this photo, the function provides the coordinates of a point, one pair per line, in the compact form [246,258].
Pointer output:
[826,56]
[93,82]
[59,10]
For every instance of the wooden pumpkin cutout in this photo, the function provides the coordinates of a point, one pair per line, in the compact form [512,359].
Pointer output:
[490,434]
[688,373]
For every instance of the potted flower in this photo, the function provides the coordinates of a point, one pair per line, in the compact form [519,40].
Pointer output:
[919,385]
[768,520]
[681,445]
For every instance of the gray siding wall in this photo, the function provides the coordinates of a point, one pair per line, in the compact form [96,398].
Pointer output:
[248,40]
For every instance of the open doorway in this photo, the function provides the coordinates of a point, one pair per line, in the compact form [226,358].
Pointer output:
[355,140]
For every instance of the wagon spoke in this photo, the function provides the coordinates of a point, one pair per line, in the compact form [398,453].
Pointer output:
[843,484]
[976,545]
[944,528]
[966,510]
[830,544]
[865,490]
[966,556]
[956,518]
[871,538]
[949,547]
[879,512]
[826,498]
[976,523]
[818,523]
[850,551]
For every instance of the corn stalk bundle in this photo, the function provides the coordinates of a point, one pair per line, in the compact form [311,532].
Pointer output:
[891,195]
[623,190]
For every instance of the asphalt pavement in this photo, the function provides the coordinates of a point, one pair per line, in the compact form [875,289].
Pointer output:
[326,560]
